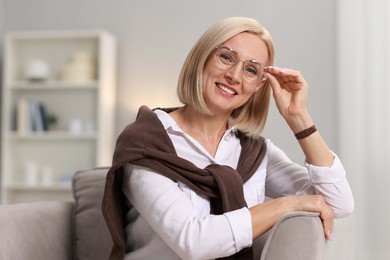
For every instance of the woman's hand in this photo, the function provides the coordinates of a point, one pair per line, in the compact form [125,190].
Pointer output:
[316,203]
[265,215]
[290,91]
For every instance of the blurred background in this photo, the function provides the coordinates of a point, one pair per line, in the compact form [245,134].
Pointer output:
[342,47]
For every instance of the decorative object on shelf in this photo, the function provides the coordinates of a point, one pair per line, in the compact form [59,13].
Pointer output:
[22,115]
[52,122]
[31,173]
[47,176]
[80,68]
[79,126]
[66,178]
[75,126]
[37,70]
[31,116]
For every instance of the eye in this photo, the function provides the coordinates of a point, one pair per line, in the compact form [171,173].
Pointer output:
[251,70]
[226,58]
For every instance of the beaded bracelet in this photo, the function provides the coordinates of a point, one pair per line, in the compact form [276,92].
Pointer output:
[305,133]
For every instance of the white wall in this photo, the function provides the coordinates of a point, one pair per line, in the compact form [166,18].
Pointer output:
[364,126]
[155,36]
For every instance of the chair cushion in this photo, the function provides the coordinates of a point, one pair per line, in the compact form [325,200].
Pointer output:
[92,239]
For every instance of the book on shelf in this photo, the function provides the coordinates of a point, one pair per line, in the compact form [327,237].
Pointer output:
[31,116]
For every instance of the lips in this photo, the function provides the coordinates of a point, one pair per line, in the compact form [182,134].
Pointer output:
[226,89]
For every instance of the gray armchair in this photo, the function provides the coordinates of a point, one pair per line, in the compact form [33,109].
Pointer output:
[76,229]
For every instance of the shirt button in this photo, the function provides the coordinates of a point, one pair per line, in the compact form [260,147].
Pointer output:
[227,137]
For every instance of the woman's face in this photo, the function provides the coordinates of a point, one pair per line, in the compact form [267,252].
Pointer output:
[226,88]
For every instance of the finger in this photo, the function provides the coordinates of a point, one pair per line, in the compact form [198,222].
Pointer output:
[286,76]
[275,85]
[331,223]
[283,72]
[317,203]
[327,221]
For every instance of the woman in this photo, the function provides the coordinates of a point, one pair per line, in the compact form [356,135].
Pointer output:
[194,178]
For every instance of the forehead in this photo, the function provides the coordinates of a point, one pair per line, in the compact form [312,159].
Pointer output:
[248,46]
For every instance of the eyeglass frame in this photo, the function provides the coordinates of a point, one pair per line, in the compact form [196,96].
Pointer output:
[238,60]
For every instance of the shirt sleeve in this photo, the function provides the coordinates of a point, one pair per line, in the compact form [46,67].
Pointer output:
[287,178]
[180,222]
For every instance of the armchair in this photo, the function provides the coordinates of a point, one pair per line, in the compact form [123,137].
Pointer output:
[76,229]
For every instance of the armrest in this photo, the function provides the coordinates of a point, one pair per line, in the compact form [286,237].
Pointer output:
[299,235]
[344,239]
[39,230]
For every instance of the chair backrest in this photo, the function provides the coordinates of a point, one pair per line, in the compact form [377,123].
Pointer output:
[92,239]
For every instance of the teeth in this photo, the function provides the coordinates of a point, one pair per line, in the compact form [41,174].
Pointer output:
[227,90]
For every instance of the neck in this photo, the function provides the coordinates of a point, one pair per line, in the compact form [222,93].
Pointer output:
[207,130]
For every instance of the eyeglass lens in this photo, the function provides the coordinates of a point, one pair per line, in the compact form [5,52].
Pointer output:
[227,58]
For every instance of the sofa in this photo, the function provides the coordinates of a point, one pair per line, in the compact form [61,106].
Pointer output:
[76,229]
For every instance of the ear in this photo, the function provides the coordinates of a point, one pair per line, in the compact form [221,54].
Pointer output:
[261,84]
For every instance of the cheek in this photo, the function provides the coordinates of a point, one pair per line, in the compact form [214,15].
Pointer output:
[206,82]
[208,77]
[258,87]
[211,71]
[251,90]
[255,90]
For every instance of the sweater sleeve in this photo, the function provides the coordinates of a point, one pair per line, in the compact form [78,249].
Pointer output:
[182,219]
[287,178]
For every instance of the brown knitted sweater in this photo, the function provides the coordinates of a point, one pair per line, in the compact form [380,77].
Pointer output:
[146,143]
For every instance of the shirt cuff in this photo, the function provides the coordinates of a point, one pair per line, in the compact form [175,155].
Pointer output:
[241,225]
[333,174]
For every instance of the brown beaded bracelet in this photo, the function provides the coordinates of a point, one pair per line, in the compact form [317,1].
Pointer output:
[306,132]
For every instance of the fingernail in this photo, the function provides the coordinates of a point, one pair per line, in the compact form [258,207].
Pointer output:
[329,235]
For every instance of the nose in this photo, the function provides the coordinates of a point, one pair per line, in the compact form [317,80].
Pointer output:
[234,74]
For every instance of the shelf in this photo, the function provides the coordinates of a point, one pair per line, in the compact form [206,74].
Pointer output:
[52,85]
[52,135]
[40,187]
[78,87]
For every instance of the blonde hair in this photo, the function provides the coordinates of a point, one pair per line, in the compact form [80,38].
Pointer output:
[249,118]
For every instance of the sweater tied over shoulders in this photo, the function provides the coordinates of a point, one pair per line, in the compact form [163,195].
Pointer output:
[146,143]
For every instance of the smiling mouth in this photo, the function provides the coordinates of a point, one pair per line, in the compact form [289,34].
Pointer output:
[226,89]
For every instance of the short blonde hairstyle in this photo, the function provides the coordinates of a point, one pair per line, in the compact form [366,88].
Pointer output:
[249,118]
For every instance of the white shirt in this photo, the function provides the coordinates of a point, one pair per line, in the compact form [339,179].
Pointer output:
[170,221]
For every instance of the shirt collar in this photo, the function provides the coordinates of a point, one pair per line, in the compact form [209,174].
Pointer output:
[170,124]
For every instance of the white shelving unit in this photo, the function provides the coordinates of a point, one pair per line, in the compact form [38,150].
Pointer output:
[38,164]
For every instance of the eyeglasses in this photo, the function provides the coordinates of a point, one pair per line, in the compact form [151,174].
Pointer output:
[227,58]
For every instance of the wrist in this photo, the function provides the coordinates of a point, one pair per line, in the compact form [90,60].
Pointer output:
[288,204]
[299,123]
[306,133]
